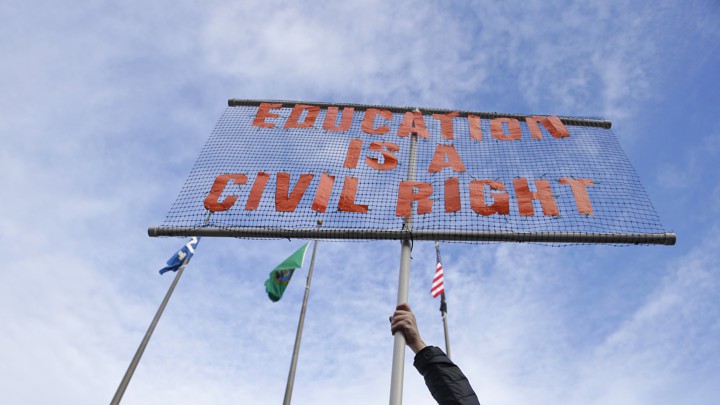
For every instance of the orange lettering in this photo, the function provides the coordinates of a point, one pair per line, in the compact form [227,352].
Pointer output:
[389,159]
[347,197]
[286,201]
[446,123]
[330,123]
[407,194]
[413,123]
[498,132]
[525,197]
[474,125]
[256,191]
[501,201]
[438,161]
[264,113]
[297,111]
[322,195]
[554,126]
[452,194]
[212,201]
[579,190]
[368,123]
[353,153]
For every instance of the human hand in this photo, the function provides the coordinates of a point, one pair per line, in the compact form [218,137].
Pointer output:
[403,320]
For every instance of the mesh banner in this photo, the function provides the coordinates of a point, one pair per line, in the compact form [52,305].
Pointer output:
[272,169]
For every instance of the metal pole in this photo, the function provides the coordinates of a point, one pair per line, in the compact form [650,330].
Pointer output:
[301,322]
[138,354]
[235,102]
[398,361]
[443,310]
[664,238]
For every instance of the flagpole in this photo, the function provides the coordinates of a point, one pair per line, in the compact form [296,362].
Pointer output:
[443,307]
[443,310]
[301,322]
[398,360]
[138,354]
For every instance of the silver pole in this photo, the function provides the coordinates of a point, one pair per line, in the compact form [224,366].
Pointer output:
[301,322]
[398,361]
[445,325]
[138,354]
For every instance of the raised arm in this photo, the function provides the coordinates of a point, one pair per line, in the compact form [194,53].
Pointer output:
[447,384]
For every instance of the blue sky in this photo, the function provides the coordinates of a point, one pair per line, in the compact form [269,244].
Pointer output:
[106,105]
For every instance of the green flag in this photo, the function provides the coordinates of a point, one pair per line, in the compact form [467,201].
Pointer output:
[282,273]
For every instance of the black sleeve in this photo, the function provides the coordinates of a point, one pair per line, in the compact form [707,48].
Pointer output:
[447,384]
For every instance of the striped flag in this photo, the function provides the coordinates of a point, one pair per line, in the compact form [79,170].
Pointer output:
[438,286]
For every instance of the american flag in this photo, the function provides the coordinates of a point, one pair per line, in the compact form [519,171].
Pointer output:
[438,286]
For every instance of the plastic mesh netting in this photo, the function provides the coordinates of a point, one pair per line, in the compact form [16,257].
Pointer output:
[476,177]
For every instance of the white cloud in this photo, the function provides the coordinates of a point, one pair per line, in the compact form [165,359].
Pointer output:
[667,342]
[695,161]
[377,52]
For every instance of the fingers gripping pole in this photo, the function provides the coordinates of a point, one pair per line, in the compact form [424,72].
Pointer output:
[398,363]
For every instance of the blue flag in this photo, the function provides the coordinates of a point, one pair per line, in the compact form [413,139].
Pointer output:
[187,251]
